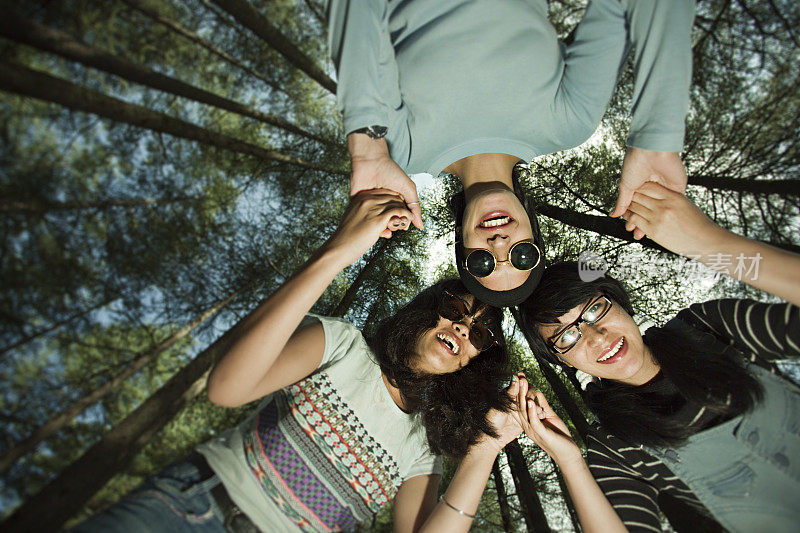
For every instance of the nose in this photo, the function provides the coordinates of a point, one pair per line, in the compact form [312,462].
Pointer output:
[462,327]
[499,245]
[595,334]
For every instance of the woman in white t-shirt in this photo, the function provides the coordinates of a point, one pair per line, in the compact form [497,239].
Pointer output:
[345,424]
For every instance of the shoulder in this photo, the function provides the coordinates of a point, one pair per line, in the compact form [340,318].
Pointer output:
[340,336]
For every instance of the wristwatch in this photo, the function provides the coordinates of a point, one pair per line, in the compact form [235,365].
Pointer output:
[374,132]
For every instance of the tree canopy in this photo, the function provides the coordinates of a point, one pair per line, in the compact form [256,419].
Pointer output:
[167,164]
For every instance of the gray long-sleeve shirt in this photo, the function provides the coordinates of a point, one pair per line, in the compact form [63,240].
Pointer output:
[453,78]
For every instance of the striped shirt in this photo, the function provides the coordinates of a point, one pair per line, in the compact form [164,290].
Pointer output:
[636,482]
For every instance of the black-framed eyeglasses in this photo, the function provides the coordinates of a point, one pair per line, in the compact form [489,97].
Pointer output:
[566,339]
[523,255]
[456,309]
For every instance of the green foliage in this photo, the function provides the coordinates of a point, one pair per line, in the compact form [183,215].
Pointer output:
[112,237]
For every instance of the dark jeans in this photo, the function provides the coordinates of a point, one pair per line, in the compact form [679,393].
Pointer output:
[175,500]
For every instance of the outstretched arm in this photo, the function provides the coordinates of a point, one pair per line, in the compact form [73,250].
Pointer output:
[675,223]
[262,358]
[416,508]
[660,34]
[368,94]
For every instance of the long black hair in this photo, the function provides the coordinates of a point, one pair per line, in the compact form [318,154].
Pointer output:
[452,407]
[697,369]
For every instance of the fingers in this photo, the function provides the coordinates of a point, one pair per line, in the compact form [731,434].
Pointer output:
[416,213]
[623,201]
[654,190]
[636,222]
[412,202]
[523,391]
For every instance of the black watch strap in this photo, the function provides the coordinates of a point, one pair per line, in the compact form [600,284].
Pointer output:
[374,132]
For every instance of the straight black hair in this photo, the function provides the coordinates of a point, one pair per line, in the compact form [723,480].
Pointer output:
[452,407]
[697,368]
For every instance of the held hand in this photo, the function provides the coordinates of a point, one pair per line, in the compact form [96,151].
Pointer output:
[369,215]
[547,430]
[671,220]
[642,166]
[506,424]
[383,173]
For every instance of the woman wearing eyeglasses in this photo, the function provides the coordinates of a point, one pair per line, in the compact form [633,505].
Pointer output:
[345,424]
[696,409]
[472,87]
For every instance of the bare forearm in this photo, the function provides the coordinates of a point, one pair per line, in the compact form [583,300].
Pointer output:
[767,268]
[594,511]
[464,492]
[362,147]
[267,329]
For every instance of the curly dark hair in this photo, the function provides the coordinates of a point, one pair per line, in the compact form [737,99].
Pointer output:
[697,367]
[452,407]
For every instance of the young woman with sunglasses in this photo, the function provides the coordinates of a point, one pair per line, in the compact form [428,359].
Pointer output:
[472,87]
[345,424]
[695,411]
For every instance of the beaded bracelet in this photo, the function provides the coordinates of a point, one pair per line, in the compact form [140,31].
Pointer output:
[459,511]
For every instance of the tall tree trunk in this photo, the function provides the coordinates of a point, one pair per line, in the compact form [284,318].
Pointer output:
[44,331]
[64,417]
[526,490]
[350,294]
[190,35]
[20,29]
[250,18]
[64,496]
[784,187]
[602,225]
[21,80]
[42,206]
[573,514]
[616,228]
[502,499]
[563,395]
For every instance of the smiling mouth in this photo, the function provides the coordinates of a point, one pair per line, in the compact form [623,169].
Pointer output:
[495,220]
[617,349]
[449,342]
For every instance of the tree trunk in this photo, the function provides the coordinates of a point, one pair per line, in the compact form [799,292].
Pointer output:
[250,18]
[21,80]
[350,294]
[616,228]
[573,514]
[28,338]
[56,423]
[574,412]
[787,187]
[40,206]
[502,499]
[65,495]
[602,225]
[188,34]
[526,490]
[15,27]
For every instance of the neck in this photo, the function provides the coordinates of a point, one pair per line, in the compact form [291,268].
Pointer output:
[481,171]
[394,392]
[649,370]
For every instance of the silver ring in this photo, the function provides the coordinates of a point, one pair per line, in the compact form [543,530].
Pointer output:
[412,203]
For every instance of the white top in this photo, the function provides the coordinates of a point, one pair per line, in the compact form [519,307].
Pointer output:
[327,452]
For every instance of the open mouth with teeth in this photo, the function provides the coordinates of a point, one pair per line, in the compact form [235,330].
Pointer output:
[495,220]
[615,352]
[449,342]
